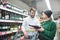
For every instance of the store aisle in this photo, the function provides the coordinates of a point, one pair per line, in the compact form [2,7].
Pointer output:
[57,37]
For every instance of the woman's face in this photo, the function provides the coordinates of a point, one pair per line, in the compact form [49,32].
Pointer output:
[44,16]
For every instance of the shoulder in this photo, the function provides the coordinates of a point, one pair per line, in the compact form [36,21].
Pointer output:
[26,18]
[53,23]
[36,19]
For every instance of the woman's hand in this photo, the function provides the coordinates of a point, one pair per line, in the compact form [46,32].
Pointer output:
[41,29]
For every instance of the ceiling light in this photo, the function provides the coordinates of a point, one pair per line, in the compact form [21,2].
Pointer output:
[49,7]
[48,4]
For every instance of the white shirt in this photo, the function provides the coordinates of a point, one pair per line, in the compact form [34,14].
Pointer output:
[29,21]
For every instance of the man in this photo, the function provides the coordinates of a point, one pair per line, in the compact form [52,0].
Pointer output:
[30,20]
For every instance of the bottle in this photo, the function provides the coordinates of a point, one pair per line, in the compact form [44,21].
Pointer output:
[7,27]
[0,2]
[4,2]
[0,14]
[6,15]
[12,16]
[4,27]
[3,14]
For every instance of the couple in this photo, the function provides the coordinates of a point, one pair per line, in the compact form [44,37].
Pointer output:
[48,27]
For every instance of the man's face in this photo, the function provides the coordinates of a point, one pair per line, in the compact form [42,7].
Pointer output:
[32,14]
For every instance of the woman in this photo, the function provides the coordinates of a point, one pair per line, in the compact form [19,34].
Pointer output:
[48,29]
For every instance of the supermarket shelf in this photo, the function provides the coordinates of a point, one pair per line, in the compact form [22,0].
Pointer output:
[12,11]
[7,32]
[14,21]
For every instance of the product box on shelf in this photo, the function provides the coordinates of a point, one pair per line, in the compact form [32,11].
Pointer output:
[12,16]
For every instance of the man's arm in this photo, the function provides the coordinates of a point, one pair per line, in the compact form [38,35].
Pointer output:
[23,28]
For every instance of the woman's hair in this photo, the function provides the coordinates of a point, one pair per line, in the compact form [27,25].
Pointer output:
[47,12]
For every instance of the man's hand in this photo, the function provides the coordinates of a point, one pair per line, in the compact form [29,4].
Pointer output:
[22,38]
[41,29]
[25,34]
[31,27]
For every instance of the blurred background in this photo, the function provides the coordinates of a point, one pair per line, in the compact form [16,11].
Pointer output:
[13,12]
[40,5]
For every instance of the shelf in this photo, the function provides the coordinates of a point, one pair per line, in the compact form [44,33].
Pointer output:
[12,11]
[7,32]
[13,21]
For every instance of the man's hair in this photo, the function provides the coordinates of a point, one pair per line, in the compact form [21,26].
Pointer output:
[32,9]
